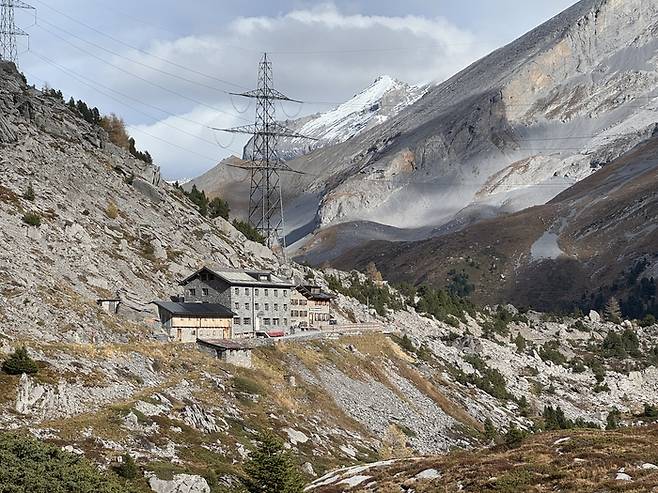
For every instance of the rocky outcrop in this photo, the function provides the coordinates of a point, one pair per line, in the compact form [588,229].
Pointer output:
[181,483]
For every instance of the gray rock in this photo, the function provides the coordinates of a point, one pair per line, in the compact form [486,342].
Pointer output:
[181,483]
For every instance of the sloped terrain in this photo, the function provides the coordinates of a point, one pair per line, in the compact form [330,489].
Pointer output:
[584,461]
[511,131]
[554,256]
[82,219]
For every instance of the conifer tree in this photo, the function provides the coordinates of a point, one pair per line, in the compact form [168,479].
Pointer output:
[270,468]
[19,362]
[612,311]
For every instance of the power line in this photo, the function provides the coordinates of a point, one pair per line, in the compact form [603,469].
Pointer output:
[117,40]
[156,119]
[136,62]
[154,84]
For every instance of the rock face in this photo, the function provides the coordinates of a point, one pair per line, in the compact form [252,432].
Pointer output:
[587,228]
[108,226]
[181,483]
[512,130]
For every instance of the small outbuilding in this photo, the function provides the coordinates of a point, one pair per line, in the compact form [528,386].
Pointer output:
[234,352]
[187,322]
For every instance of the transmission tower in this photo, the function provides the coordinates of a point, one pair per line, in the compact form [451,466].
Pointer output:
[265,198]
[8,29]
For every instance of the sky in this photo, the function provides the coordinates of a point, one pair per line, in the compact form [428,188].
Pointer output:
[167,67]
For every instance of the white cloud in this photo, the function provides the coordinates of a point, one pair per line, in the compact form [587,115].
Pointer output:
[319,54]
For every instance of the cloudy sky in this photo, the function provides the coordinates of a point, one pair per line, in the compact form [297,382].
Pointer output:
[167,66]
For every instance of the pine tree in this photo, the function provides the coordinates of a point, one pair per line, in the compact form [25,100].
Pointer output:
[612,421]
[490,431]
[127,468]
[270,468]
[218,208]
[19,362]
[612,311]
[514,436]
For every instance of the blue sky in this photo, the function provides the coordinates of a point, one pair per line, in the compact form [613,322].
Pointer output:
[165,65]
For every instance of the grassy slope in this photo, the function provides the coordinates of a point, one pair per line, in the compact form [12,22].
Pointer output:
[585,461]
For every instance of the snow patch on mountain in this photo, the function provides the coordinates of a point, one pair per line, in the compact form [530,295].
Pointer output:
[384,98]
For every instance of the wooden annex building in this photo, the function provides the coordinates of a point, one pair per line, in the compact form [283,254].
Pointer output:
[186,322]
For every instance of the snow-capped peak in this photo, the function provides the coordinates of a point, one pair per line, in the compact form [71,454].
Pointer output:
[384,98]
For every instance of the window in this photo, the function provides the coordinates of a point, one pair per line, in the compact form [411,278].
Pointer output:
[266,321]
[266,291]
[285,292]
[275,321]
[267,306]
[276,307]
[246,306]
[256,291]
[246,290]
[237,306]
[257,306]
[237,290]
[285,321]
[236,321]
[276,293]
[285,307]
[246,321]
[204,291]
[293,302]
[192,292]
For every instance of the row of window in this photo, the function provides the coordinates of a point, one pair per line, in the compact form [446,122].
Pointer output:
[266,321]
[266,291]
[320,317]
[298,302]
[266,306]
[298,313]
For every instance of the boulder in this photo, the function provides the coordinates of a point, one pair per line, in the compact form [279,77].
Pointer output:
[594,316]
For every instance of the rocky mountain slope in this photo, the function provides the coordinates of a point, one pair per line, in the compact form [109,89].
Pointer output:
[559,461]
[511,131]
[382,100]
[100,223]
[597,239]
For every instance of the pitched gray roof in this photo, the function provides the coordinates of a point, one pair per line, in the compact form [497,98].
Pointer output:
[196,309]
[237,277]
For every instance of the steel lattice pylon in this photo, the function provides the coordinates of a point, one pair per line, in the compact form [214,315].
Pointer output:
[8,29]
[265,197]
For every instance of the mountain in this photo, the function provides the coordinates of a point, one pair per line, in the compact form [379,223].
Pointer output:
[595,240]
[510,131]
[383,99]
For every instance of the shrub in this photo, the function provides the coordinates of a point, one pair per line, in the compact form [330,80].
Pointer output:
[441,304]
[514,436]
[270,469]
[247,385]
[406,344]
[32,219]
[379,297]
[249,231]
[550,352]
[218,208]
[612,421]
[490,431]
[650,411]
[621,346]
[489,380]
[29,193]
[112,211]
[520,343]
[19,362]
[648,321]
[31,466]
[127,468]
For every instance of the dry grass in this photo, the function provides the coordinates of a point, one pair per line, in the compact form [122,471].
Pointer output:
[587,463]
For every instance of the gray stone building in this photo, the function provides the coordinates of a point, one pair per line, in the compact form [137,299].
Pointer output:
[259,299]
